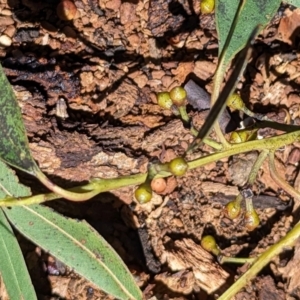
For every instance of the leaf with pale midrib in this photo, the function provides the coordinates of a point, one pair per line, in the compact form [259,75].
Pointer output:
[258,12]
[12,265]
[78,245]
[9,183]
[14,148]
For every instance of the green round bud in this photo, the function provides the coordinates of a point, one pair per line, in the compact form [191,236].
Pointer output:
[143,193]
[251,219]
[241,136]
[178,166]
[209,244]
[207,6]
[238,137]
[178,95]
[232,209]
[235,102]
[164,100]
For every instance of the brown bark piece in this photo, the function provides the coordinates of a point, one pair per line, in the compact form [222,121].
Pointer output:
[181,282]
[204,69]
[166,135]
[186,254]
[291,273]
[268,290]
[288,29]
[57,83]
[161,20]
[265,176]
[240,168]
[119,136]
[121,101]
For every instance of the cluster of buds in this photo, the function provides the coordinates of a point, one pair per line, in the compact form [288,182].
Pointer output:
[177,167]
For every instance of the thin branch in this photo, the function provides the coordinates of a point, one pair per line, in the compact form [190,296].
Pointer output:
[279,180]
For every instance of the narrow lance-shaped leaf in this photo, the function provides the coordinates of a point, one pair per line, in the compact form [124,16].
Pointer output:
[219,106]
[14,148]
[236,20]
[12,265]
[258,12]
[9,183]
[77,245]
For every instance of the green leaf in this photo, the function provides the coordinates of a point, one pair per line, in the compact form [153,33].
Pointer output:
[220,104]
[78,245]
[253,13]
[9,183]
[14,148]
[12,265]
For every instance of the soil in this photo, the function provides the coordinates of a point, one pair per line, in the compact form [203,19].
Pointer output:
[87,90]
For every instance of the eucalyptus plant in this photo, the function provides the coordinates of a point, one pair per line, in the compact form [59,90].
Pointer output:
[238,23]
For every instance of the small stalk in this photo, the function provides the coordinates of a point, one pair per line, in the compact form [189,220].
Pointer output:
[60,191]
[162,170]
[213,144]
[286,242]
[183,114]
[256,116]
[236,260]
[257,165]
[279,180]
[96,186]
[260,145]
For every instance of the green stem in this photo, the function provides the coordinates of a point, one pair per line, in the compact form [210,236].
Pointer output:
[260,145]
[219,74]
[218,80]
[183,114]
[286,242]
[221,136]
[249,205]
[255,168]
[105,185]
[95,187]
[220,103]
[250,113]
[279,180]
[101,185]
[236,260]
[238,201]
[62,192]
[210,142]
[215,145]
